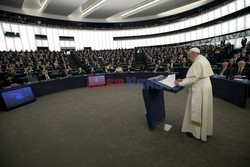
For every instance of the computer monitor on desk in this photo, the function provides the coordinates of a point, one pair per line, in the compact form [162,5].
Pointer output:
[16,97]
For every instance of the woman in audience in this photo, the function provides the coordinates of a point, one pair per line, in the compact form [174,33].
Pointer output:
[81,71]
[45,75]
[119,69]
[169,68]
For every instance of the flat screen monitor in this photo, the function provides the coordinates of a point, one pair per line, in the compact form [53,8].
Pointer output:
[98,80]
[17,97]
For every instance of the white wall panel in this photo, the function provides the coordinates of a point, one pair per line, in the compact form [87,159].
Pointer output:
[66,32]
[204,18]
[232,7]
[18,44]
[193,35]
[167,40]
[72,44]
[187,23]
[177,38]
[171,27]
[67,43]
[81,39]
[10,43]
[56,39]
[217,29]
[247,18]
[217,13]
[182,37]
[225,28]
[232,26]
[6,27]
[247,3]
[211,16]
[43,31]
[176,26]
[224,10]
[199,34]
[2,39]
[24,37]
[240,4]
[198,20]
[60,32]
[39,43]
[205,33]
[182,24]
[188,36]
[211,31]
[31,37]
[50,39]
[45,43]
[240,23]
[166,28]
[14,28]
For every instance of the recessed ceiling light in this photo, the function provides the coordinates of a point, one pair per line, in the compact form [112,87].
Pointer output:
[93,7]
[140,7]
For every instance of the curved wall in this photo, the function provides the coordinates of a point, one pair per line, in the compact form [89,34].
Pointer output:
[103,39]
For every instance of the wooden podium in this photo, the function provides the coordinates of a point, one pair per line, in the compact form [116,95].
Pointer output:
[154,100]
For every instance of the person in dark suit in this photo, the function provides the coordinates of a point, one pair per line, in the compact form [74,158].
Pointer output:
[243,42]
[45,75]
[81,71]
[8,80]
[223,42]
[241,71]
[224,71]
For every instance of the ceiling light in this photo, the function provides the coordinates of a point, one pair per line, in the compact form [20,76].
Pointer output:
[43,4]
[140,7]
[93,7]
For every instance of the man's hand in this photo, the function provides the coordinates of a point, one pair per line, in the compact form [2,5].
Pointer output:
[176,82]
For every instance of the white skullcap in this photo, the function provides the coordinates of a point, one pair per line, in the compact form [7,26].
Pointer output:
[196,50]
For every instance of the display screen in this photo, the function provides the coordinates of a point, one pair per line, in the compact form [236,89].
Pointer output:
[96,80]
[17,97]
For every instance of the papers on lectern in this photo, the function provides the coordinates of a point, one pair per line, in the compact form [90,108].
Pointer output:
[169,81]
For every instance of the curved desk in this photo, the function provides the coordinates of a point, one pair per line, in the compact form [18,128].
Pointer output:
[233,91]
[53,86]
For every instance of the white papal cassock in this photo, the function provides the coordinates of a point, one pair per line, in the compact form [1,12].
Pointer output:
[198,118]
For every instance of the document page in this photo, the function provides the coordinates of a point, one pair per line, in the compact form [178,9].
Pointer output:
[169,81]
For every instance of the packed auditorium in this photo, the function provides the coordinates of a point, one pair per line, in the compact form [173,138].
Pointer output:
[149,83]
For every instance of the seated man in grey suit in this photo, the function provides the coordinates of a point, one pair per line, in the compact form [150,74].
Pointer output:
[241,71]
[224,71]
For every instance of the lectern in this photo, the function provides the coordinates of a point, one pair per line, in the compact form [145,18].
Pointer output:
[154,100]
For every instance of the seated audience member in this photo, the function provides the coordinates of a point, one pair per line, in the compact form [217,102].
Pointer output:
[67,73]
[224,71]
[8,81]
[248,61]
[92,70]
[81,71]
[142,68]
[130,67]
[236,58]
[156,67]
[12,69]
[1,67]
[241,71]
[119,69]
[108,68]
[45,75]
[28,70]
[231,64]
[243,55]
[169,68]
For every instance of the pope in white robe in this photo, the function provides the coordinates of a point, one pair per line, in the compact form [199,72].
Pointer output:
[198,118]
